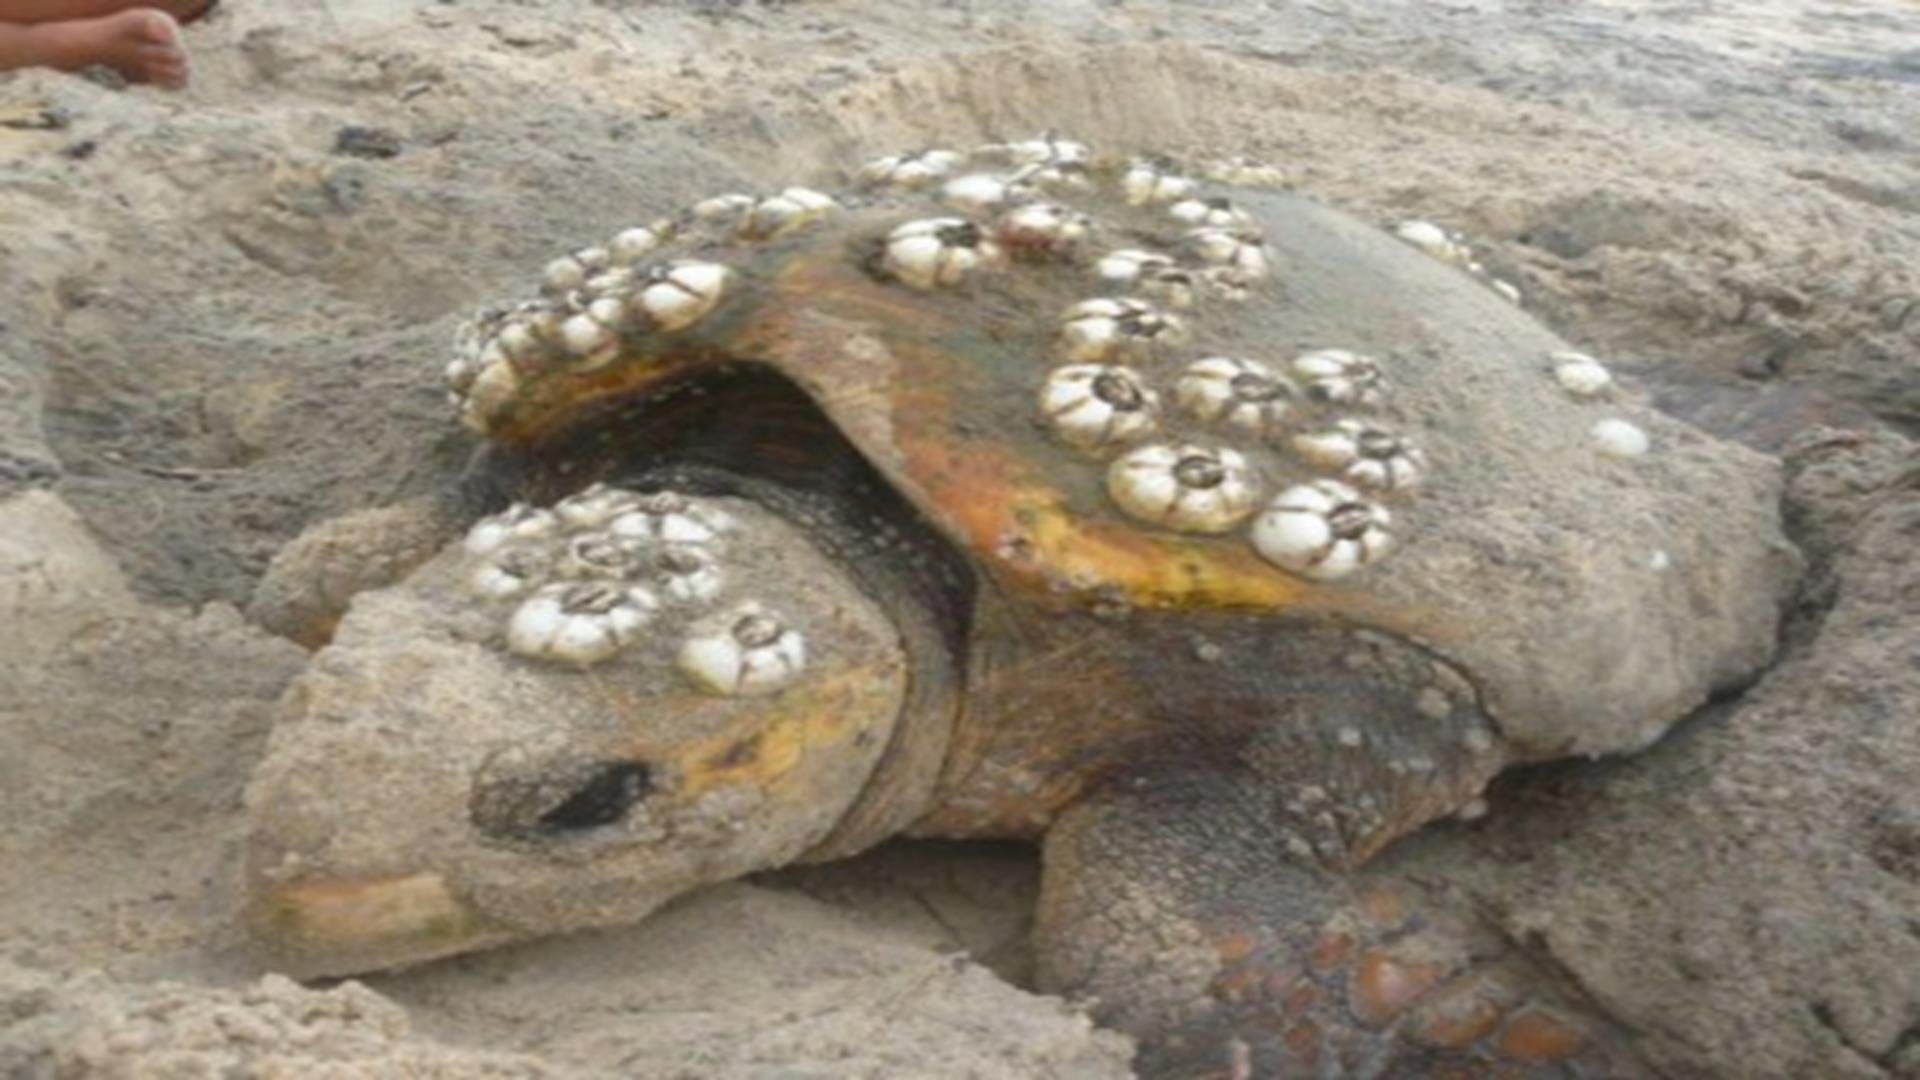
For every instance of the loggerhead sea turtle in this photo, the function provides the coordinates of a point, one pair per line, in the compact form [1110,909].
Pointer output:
[1212,540]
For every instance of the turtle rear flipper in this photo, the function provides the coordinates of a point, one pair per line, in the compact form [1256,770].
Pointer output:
[1171,901]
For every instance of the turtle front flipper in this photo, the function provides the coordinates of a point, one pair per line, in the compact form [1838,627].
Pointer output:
[308,585]
[1170,899]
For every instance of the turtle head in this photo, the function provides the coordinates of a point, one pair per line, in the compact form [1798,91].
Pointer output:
[566,718]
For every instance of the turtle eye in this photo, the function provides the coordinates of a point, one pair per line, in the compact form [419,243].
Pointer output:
[602,798]
[556,799]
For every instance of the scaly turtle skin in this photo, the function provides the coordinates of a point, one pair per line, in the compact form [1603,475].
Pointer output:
[1215,541]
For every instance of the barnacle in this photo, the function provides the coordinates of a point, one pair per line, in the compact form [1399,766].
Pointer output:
[1580,375]
[911,170]
[594,505]
[1243,394]
[977,192]
[687,573]
[1188,488]
[1340,376]
[1153,180]
[1620,438]
[631,245]
[569,272]
[671,517]
[579,622]
[1044,227]
[1117,327]
[1435,241]
[746,650]
[787,211]
[1241,249]
[937,251]
[1365,454]
[598,555]
[516,522]
[677,294]
[1092,406]
[1214,211]
[1322,530]
[1126,265]
[509,574]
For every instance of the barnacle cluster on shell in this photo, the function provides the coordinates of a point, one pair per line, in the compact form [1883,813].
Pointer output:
[1118,354]
[1116,358]
[578,583]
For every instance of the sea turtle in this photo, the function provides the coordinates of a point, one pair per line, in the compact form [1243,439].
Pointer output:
[1203,534]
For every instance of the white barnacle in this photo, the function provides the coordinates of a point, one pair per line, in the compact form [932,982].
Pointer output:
[631,245]
[510,573]
[937,251]
[1173,286]
[569,272]
[1093,406]
[1048,227]
[911,170]
[516,522]
[1188,488]
[581,622]
[1125,266]
[687,573]
[1227,283]
[1052,176]
[599,555]
[978,193]
[1243,172]
[1620,438]
[461,371]
[787,211]
[729,208]
[673,518]
[1153,180]
[1213,211]
[746,650]
[492,389]
[1241,249]
[589,338]
[678,294]
[1322,530]
[1117,327]
[1435,241]
[594,505]
[1365,454]
[1243,394]
[1340,376]
[1047,149]
[1580,375]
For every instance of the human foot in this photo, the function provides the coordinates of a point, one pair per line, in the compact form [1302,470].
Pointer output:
[142,44]
[50,11]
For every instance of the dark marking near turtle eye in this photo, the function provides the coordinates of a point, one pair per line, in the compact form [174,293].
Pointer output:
[604,798]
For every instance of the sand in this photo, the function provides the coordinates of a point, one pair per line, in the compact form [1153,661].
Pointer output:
[222,315]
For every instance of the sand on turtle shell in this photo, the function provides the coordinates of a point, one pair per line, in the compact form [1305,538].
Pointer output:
[222,315]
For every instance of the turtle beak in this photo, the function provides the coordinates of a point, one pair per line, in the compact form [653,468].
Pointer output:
[321,926]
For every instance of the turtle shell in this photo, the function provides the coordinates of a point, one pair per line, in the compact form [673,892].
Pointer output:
[1111,398]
